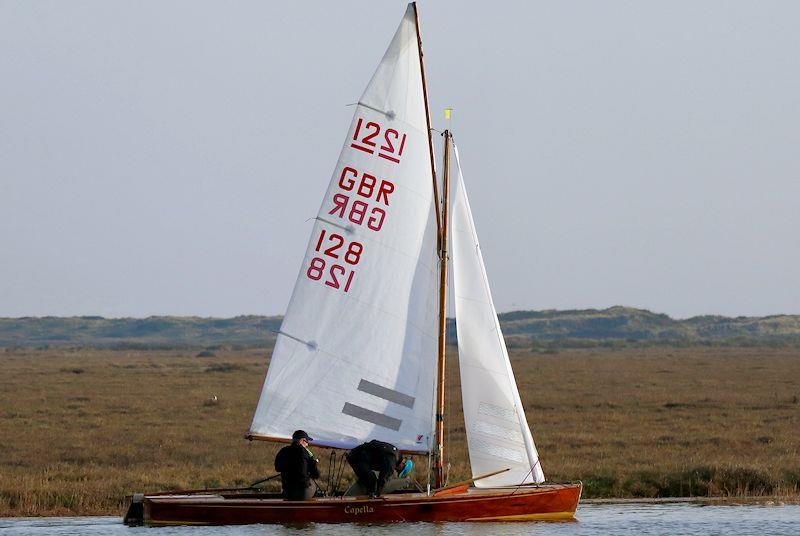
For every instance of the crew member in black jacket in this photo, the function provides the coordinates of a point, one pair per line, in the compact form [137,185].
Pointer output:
[298,468]
[375,456]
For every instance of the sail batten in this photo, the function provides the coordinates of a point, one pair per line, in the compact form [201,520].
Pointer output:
[360,327]
[498,434]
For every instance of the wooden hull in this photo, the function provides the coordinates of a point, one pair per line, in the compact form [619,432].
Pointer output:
[547,502]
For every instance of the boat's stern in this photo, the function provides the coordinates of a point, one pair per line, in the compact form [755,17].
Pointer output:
[134,515]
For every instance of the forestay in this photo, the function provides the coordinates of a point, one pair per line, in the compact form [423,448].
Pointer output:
[498,435]
[355,356]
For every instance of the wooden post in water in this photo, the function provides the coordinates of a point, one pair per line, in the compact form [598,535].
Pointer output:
[440,369]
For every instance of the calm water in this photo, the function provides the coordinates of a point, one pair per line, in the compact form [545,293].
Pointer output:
[628,519]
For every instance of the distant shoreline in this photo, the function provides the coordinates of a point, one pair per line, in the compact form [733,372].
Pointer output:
[540,331]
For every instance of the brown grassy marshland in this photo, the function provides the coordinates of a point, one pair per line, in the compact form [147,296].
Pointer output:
[81,428]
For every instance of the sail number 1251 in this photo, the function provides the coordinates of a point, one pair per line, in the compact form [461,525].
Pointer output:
[337,275]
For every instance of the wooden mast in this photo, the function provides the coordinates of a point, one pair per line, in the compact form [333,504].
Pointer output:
[428,119]
[441,239]
[440,369]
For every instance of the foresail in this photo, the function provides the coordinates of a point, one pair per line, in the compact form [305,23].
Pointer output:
[498,436]
[355,356]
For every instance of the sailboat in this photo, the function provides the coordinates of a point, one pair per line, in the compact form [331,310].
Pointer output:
[360,354]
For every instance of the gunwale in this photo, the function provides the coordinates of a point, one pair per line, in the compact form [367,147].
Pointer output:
[522,503]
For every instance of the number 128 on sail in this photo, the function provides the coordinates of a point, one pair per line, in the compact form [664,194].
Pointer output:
[335,275]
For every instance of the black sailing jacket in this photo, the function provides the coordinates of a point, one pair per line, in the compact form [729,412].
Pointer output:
[379,456]
[296,465]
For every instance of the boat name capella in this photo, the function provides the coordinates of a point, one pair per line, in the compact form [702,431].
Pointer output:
[357,510]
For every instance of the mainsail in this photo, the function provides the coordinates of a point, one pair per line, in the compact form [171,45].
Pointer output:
[498,435]
[353,360]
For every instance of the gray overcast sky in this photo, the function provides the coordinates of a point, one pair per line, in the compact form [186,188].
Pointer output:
[163,157]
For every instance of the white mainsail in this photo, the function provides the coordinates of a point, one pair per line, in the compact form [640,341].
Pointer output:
[498,435]
[355,356]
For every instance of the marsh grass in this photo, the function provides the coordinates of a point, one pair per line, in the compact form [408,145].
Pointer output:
[646,422]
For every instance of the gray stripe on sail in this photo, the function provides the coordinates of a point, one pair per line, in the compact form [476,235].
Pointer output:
[385,393]
[371,416]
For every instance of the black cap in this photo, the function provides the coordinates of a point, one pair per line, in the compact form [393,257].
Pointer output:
[301,434]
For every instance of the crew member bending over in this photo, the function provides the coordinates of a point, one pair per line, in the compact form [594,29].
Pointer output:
[377,456]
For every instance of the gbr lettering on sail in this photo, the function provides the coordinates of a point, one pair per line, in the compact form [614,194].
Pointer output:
[362,198]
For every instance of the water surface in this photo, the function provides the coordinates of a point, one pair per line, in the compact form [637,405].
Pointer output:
[621,519]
